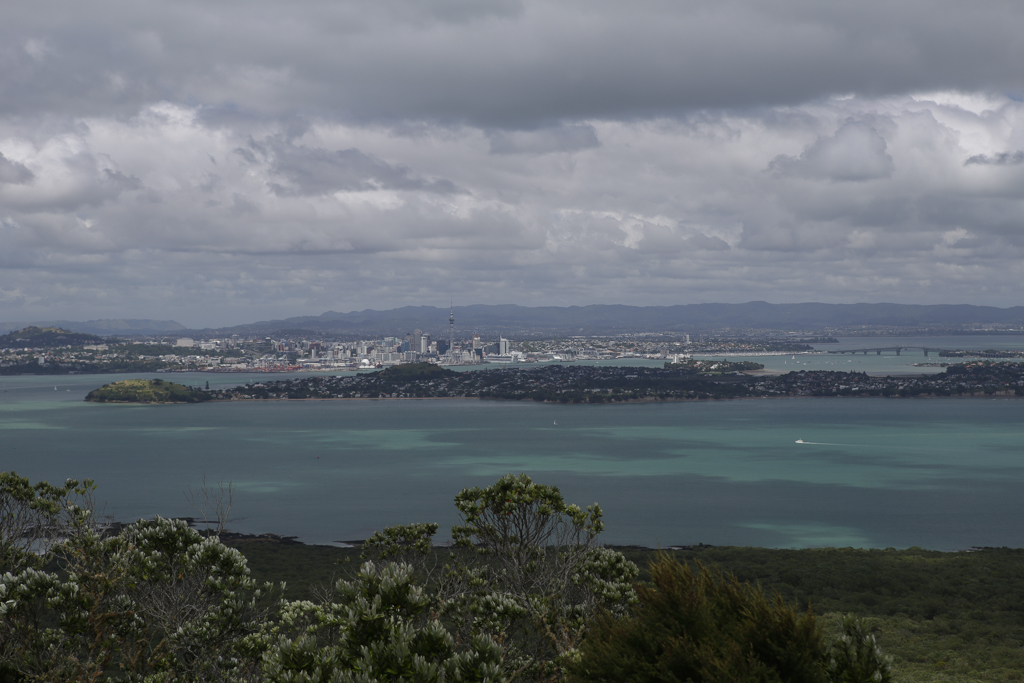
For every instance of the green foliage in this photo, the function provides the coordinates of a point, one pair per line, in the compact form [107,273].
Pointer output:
[146,391]
[713,367]
[854,657]
[702,626]
[524,570]
[516,519]
[191,600]
[46,337]
[400,541]
[941,616]
[416,370]
[303,568]
[156,603]
[516,599]
[541,577]
[34,516]
[375,628]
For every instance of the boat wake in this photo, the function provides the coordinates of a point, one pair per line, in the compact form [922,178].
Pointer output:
[822,443]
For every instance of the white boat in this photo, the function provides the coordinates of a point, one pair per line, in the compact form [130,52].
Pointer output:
[800,441]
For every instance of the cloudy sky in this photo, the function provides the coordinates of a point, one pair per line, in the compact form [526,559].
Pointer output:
[229,161]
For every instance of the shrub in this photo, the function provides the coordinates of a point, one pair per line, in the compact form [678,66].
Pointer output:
[703,626]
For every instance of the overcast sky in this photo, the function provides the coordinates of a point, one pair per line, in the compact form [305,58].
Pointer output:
[230,161]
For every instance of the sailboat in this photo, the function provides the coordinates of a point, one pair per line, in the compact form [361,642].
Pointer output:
[556,423]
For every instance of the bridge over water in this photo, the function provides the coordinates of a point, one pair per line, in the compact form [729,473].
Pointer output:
[879,349]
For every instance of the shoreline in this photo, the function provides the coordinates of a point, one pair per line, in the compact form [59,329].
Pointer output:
[270,538]
[567,403]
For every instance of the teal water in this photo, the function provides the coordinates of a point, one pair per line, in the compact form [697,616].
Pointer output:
[938,473]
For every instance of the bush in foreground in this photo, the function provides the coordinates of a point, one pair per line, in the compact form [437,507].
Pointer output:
[706,627]
[525,594]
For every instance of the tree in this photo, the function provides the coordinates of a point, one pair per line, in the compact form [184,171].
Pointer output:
[854,657]
[524,569]
[157,602]
[33,517]
[706,627]
[377,627]
[214,505]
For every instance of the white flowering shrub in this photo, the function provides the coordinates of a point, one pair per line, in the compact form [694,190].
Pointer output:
[525,570]
[854,656]
[35,517]
[162,603]
[156,603]
[191,602]
[375,628]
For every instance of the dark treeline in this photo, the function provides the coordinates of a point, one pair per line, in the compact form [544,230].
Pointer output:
[607,384]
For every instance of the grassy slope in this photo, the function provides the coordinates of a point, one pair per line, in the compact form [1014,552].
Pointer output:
[145,391]
[942,616]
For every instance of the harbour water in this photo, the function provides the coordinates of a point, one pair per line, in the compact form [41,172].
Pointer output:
[938,473]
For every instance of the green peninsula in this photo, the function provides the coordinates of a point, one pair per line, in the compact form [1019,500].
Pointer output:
[146,391]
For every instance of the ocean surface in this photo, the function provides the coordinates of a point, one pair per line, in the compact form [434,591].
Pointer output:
[945,474]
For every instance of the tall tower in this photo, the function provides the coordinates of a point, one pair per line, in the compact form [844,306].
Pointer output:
[451,329]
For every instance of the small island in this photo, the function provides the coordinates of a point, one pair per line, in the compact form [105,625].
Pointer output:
[146,391]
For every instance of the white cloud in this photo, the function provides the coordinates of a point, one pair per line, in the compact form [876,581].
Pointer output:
[218,164]
[855,152]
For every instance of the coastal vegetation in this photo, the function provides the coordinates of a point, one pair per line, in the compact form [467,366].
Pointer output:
[419,371]
[987,353]
[941,616]
[146,391]
[524,593]
[699,380]
[709,368]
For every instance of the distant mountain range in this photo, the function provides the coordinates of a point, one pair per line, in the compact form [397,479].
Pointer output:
[511,320]
[518,321]
[102,327]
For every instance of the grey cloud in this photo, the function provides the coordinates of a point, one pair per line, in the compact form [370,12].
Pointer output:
[321,171]
[120,180]
[246,154]
[14,172]
[564,138]
[855,152]
[1001,159]
[508,65]
[240,206]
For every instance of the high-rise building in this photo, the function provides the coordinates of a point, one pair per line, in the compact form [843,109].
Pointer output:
[451,328]
[502,346]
